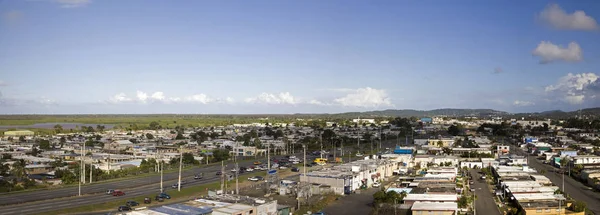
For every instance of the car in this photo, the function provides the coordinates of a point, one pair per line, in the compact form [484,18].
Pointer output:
[132,203]
[118,193]
[257,162]
[124,208]
[175,186]
[234,170]
[219,173]
[147,200]
[256,178]
[483,177]
[319,213]
[164,196]
[110,191]
[376,184]
[295,169]
[249,169]
[471,182]
[159,199]
[198,176]
[283,167]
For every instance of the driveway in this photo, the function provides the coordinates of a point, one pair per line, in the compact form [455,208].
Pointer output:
[353,204]
[485,203]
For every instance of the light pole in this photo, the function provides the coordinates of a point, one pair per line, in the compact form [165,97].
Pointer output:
[180,166]
[161,165]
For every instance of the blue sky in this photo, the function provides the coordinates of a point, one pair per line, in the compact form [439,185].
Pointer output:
[112,56]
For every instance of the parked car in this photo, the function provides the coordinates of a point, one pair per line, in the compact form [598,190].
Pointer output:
[283,167]
[198,176]
[124,208]
[164,196]
[257,162]
[295,169]
[118,193]
[376,184]
[249,169]
[132,203]
[256,178]
[159,199]
[147,200]
[219,173]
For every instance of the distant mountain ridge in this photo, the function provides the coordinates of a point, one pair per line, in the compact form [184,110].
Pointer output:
[425,113]
[458,112]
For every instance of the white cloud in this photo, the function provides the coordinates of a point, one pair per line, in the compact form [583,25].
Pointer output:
[557,18]
[523,103]
[550,52]
[229,100]
[201,98]
[120,98]
[141,96]
[158,96]
[267,98]
[72,3]
[316,102]
[3,83]
[12,16]
[571,88]
[365,97]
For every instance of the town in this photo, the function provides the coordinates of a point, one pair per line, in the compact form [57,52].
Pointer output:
[449,165]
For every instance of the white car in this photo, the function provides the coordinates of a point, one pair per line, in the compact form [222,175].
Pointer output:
[376,184]
[282,167]
[249,170]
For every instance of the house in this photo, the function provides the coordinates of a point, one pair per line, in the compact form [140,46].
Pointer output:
[437,208]
[19,133]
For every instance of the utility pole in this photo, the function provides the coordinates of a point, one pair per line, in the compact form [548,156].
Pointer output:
[91,168]
[180,166]
[380,138]
[80,171]
[83,161]
[321,140]
[304,163]
[161,165]
[222,177]
[237,188]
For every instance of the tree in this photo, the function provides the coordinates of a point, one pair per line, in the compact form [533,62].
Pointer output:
[440,143]
[149,136]
[188,158]
[220,154]
[154,125]
[100,128]
[578,206]
[21,139]
[454,130]
[44,144]
[18,169]
[58,128]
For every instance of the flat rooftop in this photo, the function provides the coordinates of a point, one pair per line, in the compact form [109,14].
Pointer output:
[434,206]
[431,197]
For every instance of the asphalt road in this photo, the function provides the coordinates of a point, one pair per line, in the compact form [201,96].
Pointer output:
[572,187]
[100,188]
[484,204]
[358,203]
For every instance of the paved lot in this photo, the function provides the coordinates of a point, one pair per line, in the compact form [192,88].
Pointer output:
[485,203]
[359,204]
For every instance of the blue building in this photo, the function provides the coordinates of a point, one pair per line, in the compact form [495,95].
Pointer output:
[403,151]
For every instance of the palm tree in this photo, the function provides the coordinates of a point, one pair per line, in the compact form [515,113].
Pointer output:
[18,169]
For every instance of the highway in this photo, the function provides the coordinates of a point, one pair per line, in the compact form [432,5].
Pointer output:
[48,200]
[101,187]
[572,187]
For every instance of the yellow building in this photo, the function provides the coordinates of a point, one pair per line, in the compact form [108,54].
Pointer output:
[547,208]
[18,133]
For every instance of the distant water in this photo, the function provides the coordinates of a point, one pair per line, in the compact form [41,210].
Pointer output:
[51,125]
